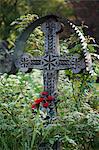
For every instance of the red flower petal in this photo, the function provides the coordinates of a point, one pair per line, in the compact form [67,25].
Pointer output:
[50,98]
[39,100]
[46,104]
[33,106]
[44,93]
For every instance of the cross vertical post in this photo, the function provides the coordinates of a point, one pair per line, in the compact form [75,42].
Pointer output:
[50,59]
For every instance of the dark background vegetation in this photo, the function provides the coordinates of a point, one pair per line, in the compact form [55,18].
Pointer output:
[80,11]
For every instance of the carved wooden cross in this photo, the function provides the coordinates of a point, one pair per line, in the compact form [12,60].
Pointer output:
[51,62]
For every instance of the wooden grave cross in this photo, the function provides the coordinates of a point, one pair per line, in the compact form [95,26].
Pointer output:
[51,62]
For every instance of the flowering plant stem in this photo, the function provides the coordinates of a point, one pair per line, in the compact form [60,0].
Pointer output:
[35,130]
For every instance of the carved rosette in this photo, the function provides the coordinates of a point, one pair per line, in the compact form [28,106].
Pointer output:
[26,62]
[50,62]
[23,63]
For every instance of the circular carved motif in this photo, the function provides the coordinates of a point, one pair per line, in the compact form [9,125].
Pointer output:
[50,62]
[76,63]
[24,62]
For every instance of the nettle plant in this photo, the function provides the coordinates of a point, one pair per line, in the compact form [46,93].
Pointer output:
[22,99]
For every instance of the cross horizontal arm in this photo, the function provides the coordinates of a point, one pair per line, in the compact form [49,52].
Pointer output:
[26,61]
[75,63]
[36,63]
[50,62]
[64,63]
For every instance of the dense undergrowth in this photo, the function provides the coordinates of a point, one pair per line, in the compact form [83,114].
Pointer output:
[77,123]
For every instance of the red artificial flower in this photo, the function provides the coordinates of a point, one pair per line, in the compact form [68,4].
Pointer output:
[44,93]
[50,98]
[39,100]
[46,104]
[33,106]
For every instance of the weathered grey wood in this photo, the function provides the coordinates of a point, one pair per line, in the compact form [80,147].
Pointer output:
[51,62]
[26,61]
[50,59]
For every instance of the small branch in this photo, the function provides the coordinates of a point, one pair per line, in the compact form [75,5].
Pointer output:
[95,55]
[8,111]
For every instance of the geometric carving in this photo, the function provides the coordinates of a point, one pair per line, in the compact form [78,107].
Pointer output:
[64,62]
[36,63]
[50,29]
[23,63]
[51,63]
[77,63]
[26,61]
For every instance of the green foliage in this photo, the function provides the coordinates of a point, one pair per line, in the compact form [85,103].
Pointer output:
[15,113]
[9,11]
[53,6]
[35,43]
[77,124]
[12,9]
